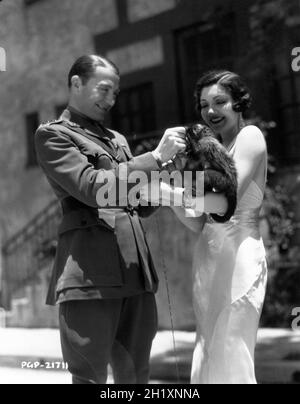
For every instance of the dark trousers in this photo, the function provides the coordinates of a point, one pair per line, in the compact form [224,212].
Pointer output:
[119,332]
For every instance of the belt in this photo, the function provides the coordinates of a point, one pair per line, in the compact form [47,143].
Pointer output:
[69,204]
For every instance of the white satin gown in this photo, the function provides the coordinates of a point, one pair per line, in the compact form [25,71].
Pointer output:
[229,282]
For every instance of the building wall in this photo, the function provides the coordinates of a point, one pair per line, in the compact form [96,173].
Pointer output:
[146,50]
[28,307]
[41,42]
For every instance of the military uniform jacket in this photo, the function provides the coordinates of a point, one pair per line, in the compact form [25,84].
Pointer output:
[73,152]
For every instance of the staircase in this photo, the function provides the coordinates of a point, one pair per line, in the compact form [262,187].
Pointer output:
[28,252]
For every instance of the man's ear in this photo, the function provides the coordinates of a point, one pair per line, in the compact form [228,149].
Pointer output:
[76,82]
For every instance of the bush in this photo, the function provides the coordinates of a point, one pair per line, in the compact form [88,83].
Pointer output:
[277,218]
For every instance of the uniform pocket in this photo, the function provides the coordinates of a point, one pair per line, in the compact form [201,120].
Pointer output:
[87,255]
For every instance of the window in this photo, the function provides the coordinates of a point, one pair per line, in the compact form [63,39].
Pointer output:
[32,123]
[200,48]
[134,111]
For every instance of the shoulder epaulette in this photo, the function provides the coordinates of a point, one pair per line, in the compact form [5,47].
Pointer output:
[57,121]
[72,124]
[60,121]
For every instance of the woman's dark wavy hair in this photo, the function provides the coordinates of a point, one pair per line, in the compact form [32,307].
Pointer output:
[232,82]
[86,65]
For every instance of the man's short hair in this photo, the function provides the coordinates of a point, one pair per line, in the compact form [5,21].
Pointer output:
[86,65]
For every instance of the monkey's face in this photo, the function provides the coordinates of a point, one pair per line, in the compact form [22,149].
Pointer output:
[194,135]
[217,112]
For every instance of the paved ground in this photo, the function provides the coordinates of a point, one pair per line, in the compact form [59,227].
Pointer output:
[277,357]
[9,375]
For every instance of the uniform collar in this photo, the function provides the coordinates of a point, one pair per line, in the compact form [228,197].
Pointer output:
[73,115]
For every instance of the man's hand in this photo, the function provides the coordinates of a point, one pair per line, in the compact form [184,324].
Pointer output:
[172,142]
[177,163]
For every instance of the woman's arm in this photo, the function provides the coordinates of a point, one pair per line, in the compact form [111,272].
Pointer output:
[190,211]
[211,202]
[250,150]
[194,219]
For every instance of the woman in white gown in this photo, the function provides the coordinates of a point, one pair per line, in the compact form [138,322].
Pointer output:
[229,269]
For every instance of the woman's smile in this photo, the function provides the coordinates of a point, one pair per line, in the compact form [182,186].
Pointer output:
[216,122]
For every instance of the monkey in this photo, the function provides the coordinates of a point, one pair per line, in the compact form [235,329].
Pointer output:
[207,154]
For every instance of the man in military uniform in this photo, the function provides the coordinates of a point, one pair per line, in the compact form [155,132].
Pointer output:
[103,276]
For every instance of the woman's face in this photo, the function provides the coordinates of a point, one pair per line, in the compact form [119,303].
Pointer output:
[216,110]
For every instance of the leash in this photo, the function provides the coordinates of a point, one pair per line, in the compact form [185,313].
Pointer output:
[169,299]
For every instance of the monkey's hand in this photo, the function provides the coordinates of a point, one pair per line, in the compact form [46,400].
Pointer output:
[215,181]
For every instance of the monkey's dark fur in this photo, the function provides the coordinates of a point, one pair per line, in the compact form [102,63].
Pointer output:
[219,169]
